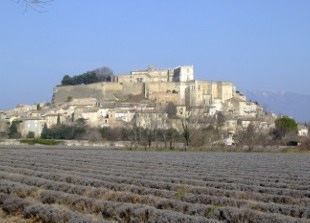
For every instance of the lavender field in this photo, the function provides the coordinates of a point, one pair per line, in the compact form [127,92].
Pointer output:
[94,185]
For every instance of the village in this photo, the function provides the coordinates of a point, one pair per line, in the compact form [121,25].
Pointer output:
[149,99]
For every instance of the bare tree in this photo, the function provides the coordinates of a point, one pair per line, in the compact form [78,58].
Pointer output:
[37,5]
[104,73]
[251,137]
[191,125]
[198,128]
[171,110]
[169,134]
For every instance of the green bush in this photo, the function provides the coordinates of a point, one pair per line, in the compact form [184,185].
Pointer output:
[30,135]
[13,130]
[63,132]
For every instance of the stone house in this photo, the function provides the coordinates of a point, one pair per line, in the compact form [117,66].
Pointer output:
[51,119]
[22,108]
[124,115]
[151,74]
[244,108]
[302,131]
[151,120]
[217,106]
[33,124]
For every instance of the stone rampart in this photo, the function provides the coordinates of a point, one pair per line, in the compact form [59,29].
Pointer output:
[103,91]
[162,87]
[133,88]
[191,93]
[63,94]
[163,99]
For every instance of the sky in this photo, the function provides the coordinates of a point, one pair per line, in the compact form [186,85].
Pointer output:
[257,44]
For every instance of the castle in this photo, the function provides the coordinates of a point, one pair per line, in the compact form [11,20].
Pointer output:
[158,85]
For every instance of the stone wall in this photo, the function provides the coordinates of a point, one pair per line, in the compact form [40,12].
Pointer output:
[151,75]
[179,74]
[133,88]
[200,93]
[63,93]
[190,93]
[227,91]
[162,87]
[162,99]
[104,91]
[163,92]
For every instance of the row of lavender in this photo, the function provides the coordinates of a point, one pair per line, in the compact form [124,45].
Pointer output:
[121,186]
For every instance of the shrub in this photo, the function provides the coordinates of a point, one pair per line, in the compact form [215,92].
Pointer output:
[32,211]
[41,141]
[180,193]
[30,135]
[48,197]
[14,205]
[305,145]
[3,197]
[64,132]
[13,130]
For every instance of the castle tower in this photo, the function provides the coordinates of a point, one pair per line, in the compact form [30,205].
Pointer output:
[183,74]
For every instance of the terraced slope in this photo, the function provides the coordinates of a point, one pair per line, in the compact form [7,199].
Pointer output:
[93,185]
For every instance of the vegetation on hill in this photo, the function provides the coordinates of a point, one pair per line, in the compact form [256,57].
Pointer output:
[98,75]
[284,126]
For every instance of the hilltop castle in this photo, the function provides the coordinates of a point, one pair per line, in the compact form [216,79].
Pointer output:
[140,99]
[158,85]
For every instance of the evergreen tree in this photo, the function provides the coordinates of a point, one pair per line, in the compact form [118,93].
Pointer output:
[13,130]
[45,132]
[283,126]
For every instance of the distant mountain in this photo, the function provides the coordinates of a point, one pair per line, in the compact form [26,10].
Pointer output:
[283,102]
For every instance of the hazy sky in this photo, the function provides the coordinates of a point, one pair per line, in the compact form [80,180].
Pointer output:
[255,44]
